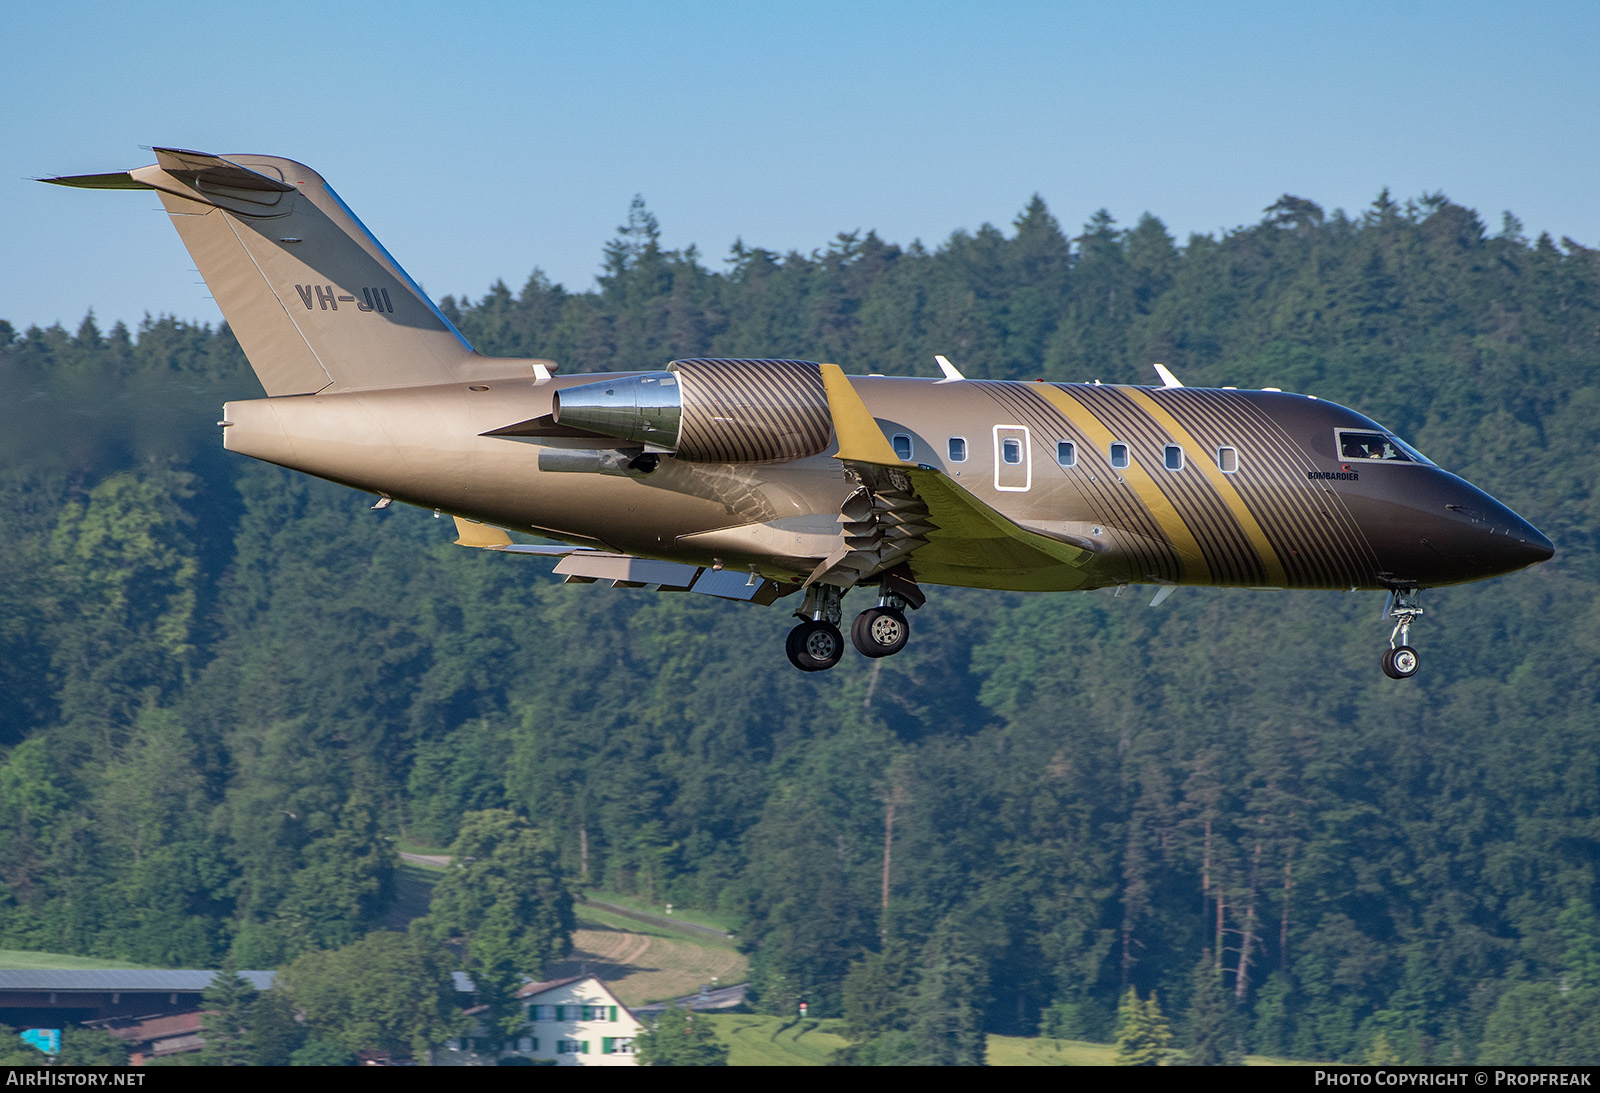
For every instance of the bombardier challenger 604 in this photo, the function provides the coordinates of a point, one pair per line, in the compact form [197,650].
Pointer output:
[760,479]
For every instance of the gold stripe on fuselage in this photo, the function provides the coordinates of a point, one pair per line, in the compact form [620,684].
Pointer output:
[1137,539]
[1225,489]
[1154,500]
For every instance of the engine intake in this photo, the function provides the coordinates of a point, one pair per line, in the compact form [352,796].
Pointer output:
[709,410]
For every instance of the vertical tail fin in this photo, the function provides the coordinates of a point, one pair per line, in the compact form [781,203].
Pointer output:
[314,299]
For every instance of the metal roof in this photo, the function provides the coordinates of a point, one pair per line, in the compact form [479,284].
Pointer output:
[121,979]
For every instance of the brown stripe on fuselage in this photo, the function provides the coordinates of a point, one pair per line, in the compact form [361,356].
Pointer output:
[1264,480]
[1311,531]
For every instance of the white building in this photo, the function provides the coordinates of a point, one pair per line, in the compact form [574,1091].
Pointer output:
[577,1022]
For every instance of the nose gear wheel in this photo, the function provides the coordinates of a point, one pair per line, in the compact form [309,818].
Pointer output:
[1401,661]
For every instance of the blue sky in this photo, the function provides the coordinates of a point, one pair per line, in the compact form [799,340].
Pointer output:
[482,140]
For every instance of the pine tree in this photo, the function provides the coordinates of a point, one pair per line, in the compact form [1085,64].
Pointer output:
[1142,1031]
[1209,1036]
[229,1001]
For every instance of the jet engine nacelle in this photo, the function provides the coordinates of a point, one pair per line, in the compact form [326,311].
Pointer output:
[709,410]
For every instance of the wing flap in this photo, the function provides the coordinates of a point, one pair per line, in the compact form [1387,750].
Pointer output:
[585,565]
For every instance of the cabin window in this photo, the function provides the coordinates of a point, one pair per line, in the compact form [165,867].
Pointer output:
[1119,456]
[1012,466]
[902,446]
[1227,460]
[1172,458]
[958,449]
[1066,453]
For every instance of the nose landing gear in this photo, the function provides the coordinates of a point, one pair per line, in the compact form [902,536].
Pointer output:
[1401,660]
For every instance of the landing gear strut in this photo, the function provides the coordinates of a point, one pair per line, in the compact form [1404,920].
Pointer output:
[1401,660]
[816,644]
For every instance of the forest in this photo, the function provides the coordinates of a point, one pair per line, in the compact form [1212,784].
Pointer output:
[229,689]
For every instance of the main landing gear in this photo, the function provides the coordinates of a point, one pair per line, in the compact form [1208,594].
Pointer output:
[816,644]
[1401,660]
[880,631]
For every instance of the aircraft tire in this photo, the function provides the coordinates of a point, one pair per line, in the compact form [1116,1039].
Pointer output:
[814,646]
[1401,663]
[880,632]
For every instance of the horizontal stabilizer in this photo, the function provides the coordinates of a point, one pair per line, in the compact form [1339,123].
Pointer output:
[116,180]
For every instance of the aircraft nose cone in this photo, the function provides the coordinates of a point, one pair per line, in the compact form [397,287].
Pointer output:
[1531,545]
[1509,542]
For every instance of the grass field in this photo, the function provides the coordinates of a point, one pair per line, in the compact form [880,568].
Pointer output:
[1043,1051]
[646,963]
[697,915]
[25,960]
[782,1041]
[776,1041]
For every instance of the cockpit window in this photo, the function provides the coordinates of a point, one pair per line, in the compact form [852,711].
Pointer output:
[1359,444]
[1412,452]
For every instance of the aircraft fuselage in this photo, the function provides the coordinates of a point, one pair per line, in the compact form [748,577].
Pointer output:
[1183,486]
[756,478]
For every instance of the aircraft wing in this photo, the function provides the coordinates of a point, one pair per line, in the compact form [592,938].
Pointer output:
[585,565]
[903,509]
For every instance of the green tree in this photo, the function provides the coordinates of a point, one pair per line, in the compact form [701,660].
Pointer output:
[947,1010]
[677,1039]
[322,1051]
[1381,1052]
[1142,1032]
[91,1047]
[275,1034]
[13,1052]
[125,565]
[388,993]
[1580,959]
[1209,1035]
[504,897]
[230,1002]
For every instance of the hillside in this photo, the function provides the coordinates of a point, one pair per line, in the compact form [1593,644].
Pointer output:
[228,688]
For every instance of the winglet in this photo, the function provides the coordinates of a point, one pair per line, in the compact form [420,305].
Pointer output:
[860,438]
[483,536]
[1167,378]
[947,368]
